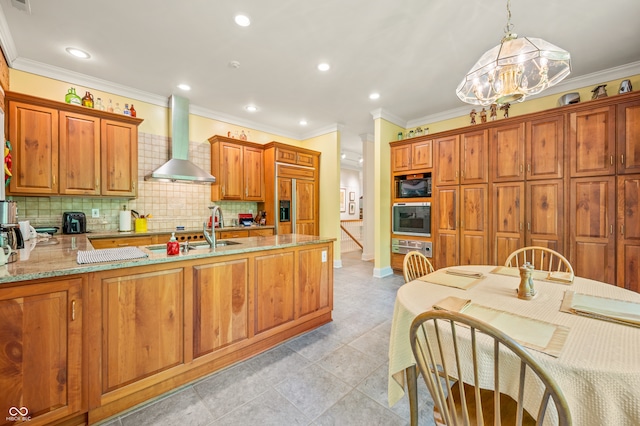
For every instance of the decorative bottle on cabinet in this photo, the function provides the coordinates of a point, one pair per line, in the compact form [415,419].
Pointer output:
[126,110]
[72,98]
[132,110]
[87,100]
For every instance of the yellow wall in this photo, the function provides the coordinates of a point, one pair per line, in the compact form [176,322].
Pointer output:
[384,132]
[329,146]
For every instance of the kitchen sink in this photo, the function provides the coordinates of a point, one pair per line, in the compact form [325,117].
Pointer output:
[200,245]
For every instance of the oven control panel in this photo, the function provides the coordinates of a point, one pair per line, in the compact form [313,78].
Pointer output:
[402,246]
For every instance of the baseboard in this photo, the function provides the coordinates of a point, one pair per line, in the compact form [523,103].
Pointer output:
[382,272]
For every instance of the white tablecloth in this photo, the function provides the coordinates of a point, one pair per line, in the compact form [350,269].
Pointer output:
[598,368]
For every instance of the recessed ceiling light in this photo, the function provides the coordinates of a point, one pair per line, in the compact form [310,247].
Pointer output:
[184,86]
[361,160]
[303,122]
[374,96]
[343,156]
[251,108]
[78,53]
[324,66]
[243,20]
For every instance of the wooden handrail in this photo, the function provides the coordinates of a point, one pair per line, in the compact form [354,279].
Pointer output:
[351,236]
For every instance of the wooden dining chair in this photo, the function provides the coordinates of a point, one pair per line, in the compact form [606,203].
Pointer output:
[542,259]
[451,343]
[415,265]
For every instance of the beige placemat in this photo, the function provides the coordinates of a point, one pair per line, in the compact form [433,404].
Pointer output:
[602,308]
[459,278]
[534,334]
[555,276]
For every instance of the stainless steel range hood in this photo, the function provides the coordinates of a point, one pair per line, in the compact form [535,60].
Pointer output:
[179,168]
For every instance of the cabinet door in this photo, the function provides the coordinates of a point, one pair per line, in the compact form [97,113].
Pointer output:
[400,158]
[220,305]
[628,119]
[507,152]
[284,194]
[592,142]
[474,225]
[446,226]
[447,155]
[79,154]
[628,244]
[253,165]
[545,148]
[306,206]
[421,155]
[545,214]
[119,147]
[231,183]
[474,157]
[508,219]
[313,284]
[143,323]
[286,156]
[274,290]
[592,216]
[41,363]
[33,132]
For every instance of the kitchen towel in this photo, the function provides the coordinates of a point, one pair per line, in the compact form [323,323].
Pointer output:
[125,220]
[110,254]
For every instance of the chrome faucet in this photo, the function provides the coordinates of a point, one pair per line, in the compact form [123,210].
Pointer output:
[211,237]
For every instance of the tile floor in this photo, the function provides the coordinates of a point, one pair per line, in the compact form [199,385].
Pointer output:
[334,375]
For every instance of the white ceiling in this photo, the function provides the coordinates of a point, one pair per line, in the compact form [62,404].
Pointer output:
[413,52]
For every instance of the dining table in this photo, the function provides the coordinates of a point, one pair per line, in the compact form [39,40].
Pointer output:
[595,362]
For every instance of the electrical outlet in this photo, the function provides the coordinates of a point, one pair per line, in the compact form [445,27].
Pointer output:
[95,212]
[324,256]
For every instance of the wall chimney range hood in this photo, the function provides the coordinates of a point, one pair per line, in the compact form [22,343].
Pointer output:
[179,168]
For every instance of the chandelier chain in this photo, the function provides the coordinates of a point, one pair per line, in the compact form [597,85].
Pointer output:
[509,26]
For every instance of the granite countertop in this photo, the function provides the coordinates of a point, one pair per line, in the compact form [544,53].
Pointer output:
[124,234]
[57,256]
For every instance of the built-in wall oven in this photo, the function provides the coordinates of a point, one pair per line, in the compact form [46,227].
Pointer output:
[412,219]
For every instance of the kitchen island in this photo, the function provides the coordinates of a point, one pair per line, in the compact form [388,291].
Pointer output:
[84,342]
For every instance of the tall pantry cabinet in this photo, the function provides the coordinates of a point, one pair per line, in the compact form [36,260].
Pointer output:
[566,178]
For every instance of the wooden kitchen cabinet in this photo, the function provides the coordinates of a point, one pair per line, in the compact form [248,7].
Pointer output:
[507,152]
[545,214]
[64,149]
[628,232]
[447,161]
[119,155]
[143,323]
[143,240]
[33,132]
[446,225]
[313,289]
[628,137]
[508,219]
[474,157]
[295,156]
[545,148]
[474,225]
[413,156]
[592,221]
[274,290]
[220,305]
[41,362]
[79,157]
[591,140]
[239,170]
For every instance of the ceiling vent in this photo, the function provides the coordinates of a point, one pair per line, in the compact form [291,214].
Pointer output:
[23,5]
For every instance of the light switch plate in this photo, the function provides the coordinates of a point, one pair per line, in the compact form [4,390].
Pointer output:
[324,256]
[95,212]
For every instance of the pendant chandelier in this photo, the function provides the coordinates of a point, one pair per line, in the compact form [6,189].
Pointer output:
[514,69]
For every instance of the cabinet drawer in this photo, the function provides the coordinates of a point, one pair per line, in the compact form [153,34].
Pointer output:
[122,242]
[295,172]
[233,234]
[260,232]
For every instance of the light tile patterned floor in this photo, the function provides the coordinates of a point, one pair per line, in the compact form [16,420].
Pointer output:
[334,375]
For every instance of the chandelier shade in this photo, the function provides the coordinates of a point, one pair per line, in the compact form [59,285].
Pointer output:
[514,69]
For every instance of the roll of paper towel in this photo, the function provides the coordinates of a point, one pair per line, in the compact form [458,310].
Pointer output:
[125,220]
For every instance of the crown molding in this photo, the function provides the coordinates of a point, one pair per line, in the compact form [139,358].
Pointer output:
[6,40]
[389,116]
[331,128]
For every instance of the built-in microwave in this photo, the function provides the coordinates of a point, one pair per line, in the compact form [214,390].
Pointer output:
[413,188]
[412,219]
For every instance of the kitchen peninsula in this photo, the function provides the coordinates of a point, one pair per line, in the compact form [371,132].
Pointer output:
[84,342]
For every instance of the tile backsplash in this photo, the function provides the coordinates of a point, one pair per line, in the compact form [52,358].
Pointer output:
[170,204]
